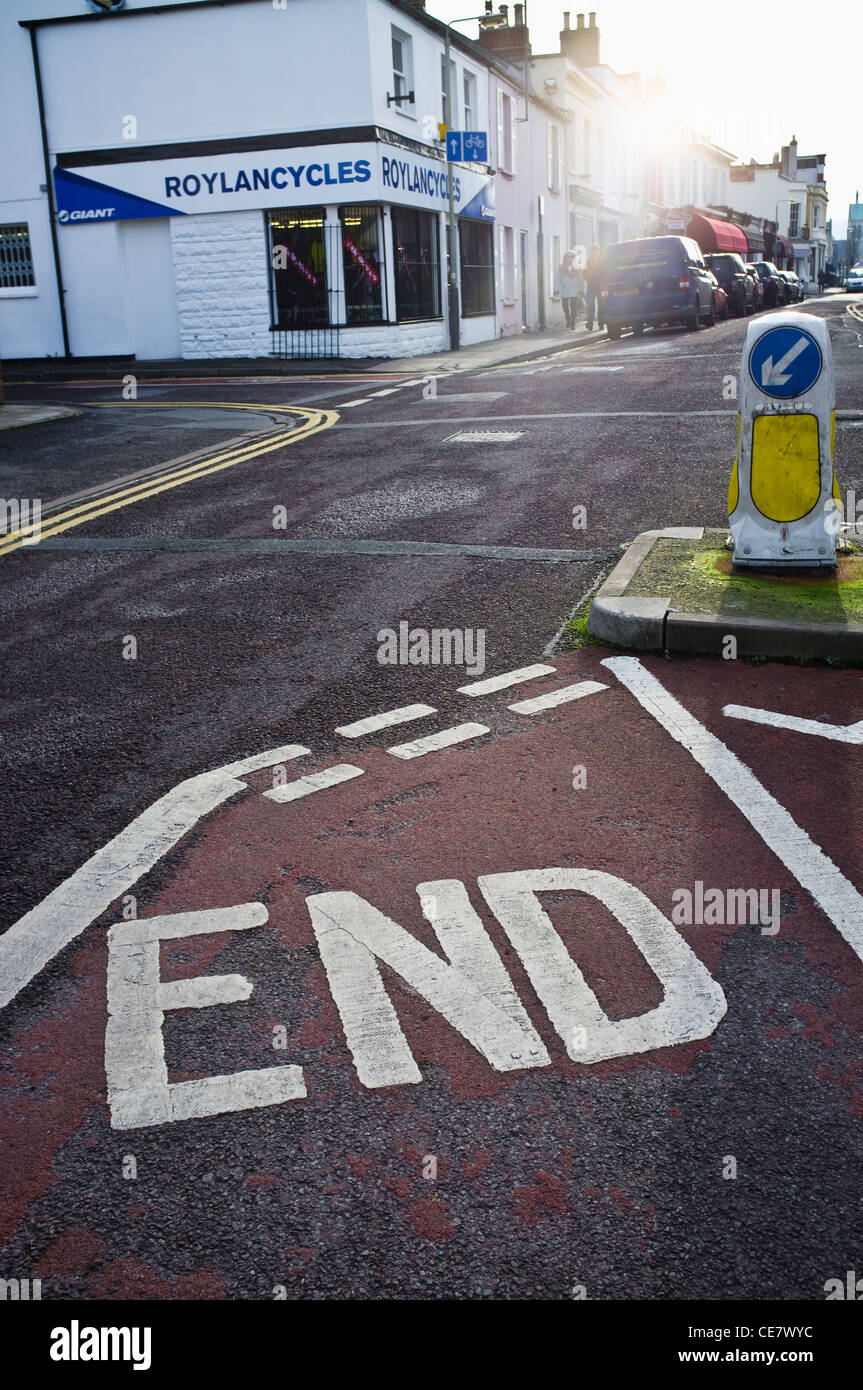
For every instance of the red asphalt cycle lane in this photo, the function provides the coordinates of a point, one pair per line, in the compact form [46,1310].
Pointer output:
[509,1160]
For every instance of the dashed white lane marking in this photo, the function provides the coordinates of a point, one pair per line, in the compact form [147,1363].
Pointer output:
[46,929]
[387,391]
[525,673]
[363,400]
[591,369]
[557,697]
[484,437]
[829,888]
[383,721]
[447,397]
[841,733]
[432,742]
[314,782]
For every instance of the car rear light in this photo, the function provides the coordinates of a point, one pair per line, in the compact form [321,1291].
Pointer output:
[683,282]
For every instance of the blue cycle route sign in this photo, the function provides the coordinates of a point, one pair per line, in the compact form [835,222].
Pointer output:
[467,146]
[785,362]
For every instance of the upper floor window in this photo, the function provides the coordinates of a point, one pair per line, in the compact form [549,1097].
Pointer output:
[815,211]
[506,133]
[793,219]
[469,82]
[444,92]
[555,157]
[403,66]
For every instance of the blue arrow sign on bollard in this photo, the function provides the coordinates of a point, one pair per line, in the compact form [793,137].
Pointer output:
[453,145]
[785,362]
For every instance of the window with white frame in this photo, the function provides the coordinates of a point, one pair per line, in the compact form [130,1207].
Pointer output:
[444,95]
[403,67]
[555,157]
[506,133]
[506,257]
[815,211]
[587,153]
[16,257]
[470,109]
[793,219]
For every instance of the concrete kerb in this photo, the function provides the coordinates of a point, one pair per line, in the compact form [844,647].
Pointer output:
[16,417]
[651,623]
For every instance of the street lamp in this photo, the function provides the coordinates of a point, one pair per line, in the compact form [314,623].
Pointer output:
[486,21]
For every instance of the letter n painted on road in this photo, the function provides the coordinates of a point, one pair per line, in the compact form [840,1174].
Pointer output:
[693,1005]
[473,992]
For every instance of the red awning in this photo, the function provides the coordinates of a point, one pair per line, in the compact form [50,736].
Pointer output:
[712,234]
[785,245]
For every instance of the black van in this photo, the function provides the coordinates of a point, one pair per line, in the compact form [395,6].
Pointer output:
[658,279]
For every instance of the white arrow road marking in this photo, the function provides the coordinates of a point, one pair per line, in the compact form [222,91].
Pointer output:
[562,696]
[773,376]
[315,782]
[841,733]
[42,932]
[829,887]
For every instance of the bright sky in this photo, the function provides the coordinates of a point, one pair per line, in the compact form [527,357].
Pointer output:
[750,107]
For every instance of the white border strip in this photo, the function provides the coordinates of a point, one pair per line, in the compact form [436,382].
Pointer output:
[383,721]
[524,673]
[314,782]
[444,739]
[561,696]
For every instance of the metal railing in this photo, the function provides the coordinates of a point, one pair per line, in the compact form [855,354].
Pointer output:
[305,343]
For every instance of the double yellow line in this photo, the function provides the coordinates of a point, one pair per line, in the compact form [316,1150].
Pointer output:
[113,500]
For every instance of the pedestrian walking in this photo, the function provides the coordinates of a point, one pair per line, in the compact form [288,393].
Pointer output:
[569,286]
[593,277]
[821,278]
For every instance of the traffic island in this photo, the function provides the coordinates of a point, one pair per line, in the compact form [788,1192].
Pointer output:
[677,590]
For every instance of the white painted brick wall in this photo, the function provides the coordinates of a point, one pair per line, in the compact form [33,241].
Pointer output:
[221,275]
[393,340]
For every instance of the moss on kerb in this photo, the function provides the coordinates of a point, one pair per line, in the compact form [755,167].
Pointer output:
[697,577]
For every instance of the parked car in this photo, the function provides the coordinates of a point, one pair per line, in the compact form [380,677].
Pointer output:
[775,288]
[730,271]
[795,289]
[720,298]
[854,278]
[656,280]
[757,285]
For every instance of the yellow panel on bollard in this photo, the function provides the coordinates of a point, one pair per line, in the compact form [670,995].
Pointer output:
[783,498]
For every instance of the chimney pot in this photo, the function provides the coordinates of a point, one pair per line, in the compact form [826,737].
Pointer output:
[592,24]
[579,21]
[519,15]
[566,19]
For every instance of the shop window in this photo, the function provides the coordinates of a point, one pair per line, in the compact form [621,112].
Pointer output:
[299,267]
[476,248]
[363,264]
[16,259]
[417,264]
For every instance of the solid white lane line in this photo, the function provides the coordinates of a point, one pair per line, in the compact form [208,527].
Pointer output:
[841,733]
[383,721]
[524,673]
[314,782]
[432,742]
[827,885]
[557,697]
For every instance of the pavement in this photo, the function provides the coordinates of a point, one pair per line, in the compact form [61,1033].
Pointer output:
[547,988]
[15,417]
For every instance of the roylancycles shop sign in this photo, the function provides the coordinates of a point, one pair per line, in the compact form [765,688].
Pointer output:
[295,177]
